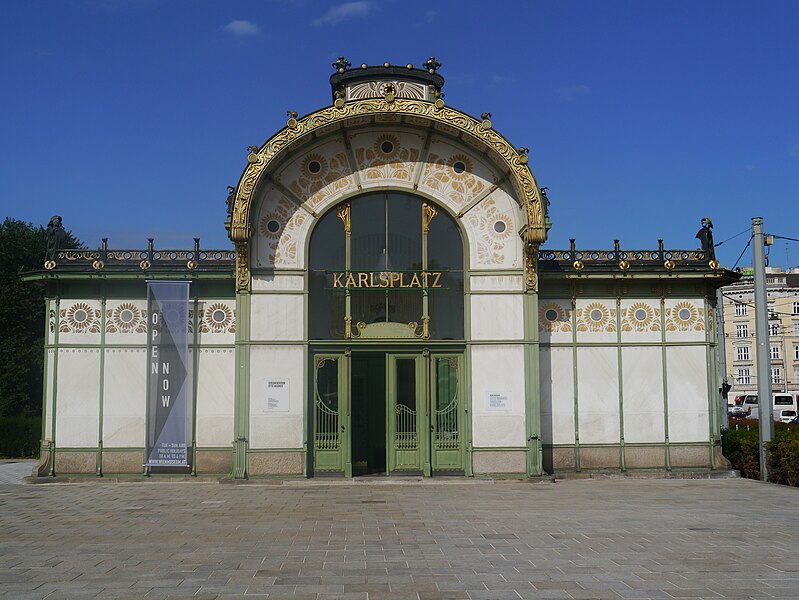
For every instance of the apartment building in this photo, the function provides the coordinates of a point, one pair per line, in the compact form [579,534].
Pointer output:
[783,324]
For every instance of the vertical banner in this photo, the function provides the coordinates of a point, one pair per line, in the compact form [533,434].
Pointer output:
[169,387]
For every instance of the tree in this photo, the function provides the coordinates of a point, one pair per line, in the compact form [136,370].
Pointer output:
[22,317]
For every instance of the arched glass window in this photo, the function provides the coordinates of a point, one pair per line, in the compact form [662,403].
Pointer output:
[386,258]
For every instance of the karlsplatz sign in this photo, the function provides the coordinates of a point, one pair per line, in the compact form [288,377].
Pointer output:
[168,375]
[387,279]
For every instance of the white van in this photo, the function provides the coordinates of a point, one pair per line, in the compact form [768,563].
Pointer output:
[780,401]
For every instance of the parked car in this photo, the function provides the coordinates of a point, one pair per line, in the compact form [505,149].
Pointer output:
[786,415]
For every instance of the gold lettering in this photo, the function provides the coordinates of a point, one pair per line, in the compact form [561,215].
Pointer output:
[362,279]
[415,281]
[383,279]
[426,279]
[394,277]
[337,279]
[372,280]
[402,280]
[436,284]
[350,281]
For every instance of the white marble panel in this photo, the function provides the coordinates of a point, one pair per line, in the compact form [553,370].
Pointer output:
[278,281]
[640,320]
[126,321]
[125,398]
[48,399]
[215,396]
[277,429]
[555,321]
[217,321]
[318,188]
[78,398]
[79,322]
[440,179]
[492,227]
[513,283]
[497,317]
[557,395]
[642,378]
[378,168]
[686,373]
[685,320]
[277,317]
[598,395]
[498,368]
[596,320]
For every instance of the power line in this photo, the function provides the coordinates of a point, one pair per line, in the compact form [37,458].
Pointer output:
[784,237]
[733,237]
[742,251]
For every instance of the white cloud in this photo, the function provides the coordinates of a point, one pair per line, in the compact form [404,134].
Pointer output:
[571,92]
[241,28]
[344,12]
[498,80]
[427,18]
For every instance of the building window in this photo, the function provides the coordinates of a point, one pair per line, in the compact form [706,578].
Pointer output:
[796,308]
[774,351]
[776,375]
[742,353]
[741,309]
[743,377]
[774,329]
[742,330]
[795,374]
[796,351]
[796,329]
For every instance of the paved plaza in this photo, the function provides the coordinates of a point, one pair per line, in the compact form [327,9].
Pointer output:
[573,539]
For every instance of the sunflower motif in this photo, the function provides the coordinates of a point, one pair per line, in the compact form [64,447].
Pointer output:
[684,316]
[218,318]
[271,225]
[502,227]
[461,166]
[640,317]
[314,166]
[553,317]
[387,147]
[126,318]
[597,317]
[81,317]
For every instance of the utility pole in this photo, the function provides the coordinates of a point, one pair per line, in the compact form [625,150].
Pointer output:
[765,408]
[721,362]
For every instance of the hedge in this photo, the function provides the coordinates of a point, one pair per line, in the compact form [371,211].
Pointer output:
[20,436]
[741,447]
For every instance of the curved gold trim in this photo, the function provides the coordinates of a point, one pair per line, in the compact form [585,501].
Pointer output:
[306,127]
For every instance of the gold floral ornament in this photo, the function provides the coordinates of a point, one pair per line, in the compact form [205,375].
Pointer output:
[126,318]
[685,316]
[218,318]
[80,318]
[640,317]
[386,158]
[314,166]
[596,317]
[553,317]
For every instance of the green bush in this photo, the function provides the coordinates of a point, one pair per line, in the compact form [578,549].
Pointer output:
[20,437]
[741,447]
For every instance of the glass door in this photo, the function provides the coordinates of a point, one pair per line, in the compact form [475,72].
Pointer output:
[406,416]
[331,414]
[446,413]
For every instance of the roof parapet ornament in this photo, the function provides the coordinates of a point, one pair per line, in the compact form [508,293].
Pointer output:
[705,236]
[342,64]
[431,64]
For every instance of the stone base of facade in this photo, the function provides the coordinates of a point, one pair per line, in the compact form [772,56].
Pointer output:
[283,462]
[217,462]
[499,462]
[637,457]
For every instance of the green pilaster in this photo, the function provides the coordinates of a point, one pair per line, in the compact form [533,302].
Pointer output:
[665,377]
[241,410]
[621,382]
[55,383]
[102,385]
[195,370]
[532,385]
[711,380]
[575,384]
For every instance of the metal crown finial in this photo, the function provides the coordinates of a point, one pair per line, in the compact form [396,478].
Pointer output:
[431,64]
[342,64]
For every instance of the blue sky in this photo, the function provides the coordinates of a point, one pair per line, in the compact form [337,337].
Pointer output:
[129,118]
